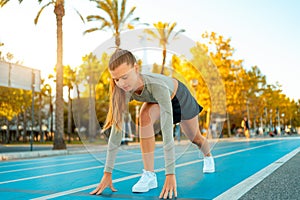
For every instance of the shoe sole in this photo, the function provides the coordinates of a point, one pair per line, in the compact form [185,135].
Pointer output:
[141,191]
[209,171]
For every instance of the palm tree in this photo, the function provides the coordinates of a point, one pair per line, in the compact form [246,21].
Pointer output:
[59,11]
[164,31]
[117,19]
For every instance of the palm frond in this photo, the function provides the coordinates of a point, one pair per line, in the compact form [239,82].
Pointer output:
[3,2]
[106,6]
[134,20]
[95,18]
[170,29]
[152,33]
[130,13]
[78,13]
[123,6]
[104,25]
[115,10]
[178,32]
[91,30]
[40,11]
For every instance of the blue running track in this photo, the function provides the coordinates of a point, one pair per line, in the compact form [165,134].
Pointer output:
[74,176]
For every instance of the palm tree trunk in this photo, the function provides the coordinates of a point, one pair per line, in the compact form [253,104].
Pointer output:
[164,60]
[59,103]
[117,40]
[69,115]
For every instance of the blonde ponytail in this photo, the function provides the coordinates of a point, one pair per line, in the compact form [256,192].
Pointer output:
[118,99]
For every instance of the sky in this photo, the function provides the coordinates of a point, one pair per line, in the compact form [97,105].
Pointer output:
[264,33]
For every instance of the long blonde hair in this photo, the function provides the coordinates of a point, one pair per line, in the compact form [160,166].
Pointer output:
[118,100]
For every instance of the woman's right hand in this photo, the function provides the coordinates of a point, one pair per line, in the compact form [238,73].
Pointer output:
[105,182]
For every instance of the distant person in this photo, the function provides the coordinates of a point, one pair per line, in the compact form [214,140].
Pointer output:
[245,125]
[177,132]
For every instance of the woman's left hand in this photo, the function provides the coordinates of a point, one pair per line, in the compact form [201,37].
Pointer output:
[169,188]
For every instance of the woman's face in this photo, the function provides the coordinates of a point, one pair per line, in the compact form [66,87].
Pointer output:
[125,77]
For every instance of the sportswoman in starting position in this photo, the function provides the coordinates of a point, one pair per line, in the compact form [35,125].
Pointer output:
[165,99]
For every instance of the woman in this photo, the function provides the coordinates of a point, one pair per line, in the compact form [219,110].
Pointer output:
[164,98]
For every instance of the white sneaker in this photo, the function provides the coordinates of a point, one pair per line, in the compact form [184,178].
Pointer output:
[147,181]
[208,164]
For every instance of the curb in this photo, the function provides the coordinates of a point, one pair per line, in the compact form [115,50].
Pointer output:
[71,151]
[35,154]
[48,153]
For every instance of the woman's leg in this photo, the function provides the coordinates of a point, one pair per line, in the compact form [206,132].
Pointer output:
[148,115]
[191,130]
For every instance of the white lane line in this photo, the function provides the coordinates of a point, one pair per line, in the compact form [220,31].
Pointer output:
[39,161]
[77,170]
[77,162]
[90,168]
[226,154]
[54,165]
[67,192]
[243,187]
[59,194]
[42,167]
[95,158]
[61,173]
[79,157]
[47,175]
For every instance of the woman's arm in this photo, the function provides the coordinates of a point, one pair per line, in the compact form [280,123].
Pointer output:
[163,97]
[114,142]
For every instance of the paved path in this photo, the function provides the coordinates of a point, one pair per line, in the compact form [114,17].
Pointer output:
[245,169]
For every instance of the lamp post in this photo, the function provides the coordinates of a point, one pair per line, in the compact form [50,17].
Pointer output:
[49,91]
[32,110]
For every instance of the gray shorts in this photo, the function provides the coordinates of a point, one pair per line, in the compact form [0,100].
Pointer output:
[184,104]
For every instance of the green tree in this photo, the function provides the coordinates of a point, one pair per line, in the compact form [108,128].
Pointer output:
[46,90]
[117,20]
[220,51]
[59,11]
[69,81]
[251,86]
[102,89]
[90,71]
